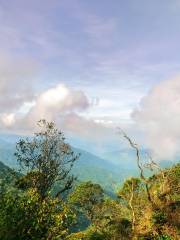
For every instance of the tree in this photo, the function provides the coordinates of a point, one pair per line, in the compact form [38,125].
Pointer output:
[24,215]
[86,197]
[129,193]
[46,159]
[112,220]
[27,208]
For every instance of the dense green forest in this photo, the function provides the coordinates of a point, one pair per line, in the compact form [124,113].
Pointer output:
[44,200]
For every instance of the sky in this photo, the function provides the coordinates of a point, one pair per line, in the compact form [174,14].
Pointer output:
[92,66]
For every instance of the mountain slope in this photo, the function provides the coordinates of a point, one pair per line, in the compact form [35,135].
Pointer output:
[4,170]
[109,171]
[126,159]
[87,167]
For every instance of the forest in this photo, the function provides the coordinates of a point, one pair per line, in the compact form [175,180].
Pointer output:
[44,199]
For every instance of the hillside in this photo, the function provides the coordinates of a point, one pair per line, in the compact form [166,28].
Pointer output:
[125,159]
[109,171]
[142,208]
[4,170]
[87,167]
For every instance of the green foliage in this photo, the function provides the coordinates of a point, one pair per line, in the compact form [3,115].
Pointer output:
[7,175]
[145,208]
[131,190]
[27,210]
[86,197]
[164,237]
[159,217]
[24,215]
[47,159]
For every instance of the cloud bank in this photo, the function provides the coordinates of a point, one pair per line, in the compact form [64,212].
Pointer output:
[65,106]
[159,118]
[56,101]
[50,104]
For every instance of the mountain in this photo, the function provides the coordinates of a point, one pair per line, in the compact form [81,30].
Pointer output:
[7,175]
[7,154]
[87,167]
[109,171]
[4,170]
[92,167]
[126,159]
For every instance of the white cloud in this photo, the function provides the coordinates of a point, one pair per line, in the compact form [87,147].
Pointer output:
[87,128]
[54,104]
[8,119]
[57,101]
[66,107]
[159,117]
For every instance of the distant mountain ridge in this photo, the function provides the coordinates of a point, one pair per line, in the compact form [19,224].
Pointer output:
[109,171]
[4,170]
[126,158]
[87,167]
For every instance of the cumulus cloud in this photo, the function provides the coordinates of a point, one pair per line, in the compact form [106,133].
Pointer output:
[60,104]
[88,128]
[159,117]
[65,106]
[56,102]
[8,119]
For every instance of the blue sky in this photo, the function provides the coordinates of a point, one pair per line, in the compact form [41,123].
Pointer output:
[114,52]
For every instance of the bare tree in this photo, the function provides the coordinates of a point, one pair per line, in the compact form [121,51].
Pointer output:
[140,166]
